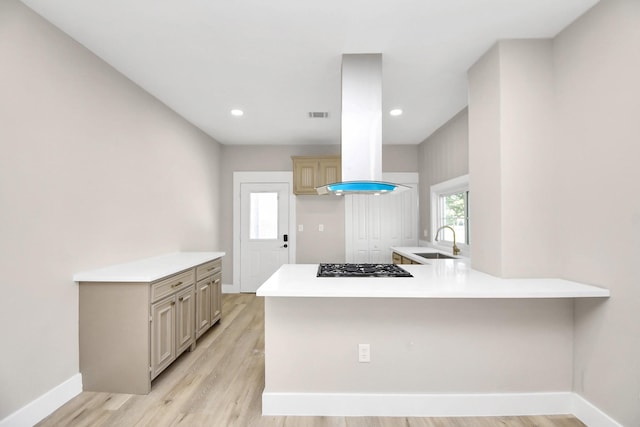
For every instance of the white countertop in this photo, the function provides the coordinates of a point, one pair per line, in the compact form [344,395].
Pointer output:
[148,269]
[445,278]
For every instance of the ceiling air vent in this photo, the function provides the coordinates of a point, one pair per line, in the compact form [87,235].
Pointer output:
[318,114]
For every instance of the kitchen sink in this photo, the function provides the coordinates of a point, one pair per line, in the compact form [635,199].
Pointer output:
[435,255]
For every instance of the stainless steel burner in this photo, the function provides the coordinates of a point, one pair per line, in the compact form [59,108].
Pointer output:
[361,270]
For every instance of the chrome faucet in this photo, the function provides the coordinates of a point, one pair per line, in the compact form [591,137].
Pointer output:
[456,250]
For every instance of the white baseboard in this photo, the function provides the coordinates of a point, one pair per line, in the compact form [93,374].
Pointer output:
[230,289]
[435,405]
[586,412]
[44,405]
[361,404]
[416,405]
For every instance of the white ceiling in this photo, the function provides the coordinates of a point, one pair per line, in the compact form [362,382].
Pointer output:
[278,60]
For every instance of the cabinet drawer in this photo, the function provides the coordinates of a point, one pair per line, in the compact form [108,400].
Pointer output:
[171,285]
[209,268]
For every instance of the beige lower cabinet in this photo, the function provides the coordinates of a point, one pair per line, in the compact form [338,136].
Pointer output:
[131,331]
[203,307]
[185,320]
[163,335]
[208,295]
[216,298]
[172,319]
[399,259]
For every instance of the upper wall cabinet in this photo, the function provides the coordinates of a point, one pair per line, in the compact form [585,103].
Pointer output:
[312,172]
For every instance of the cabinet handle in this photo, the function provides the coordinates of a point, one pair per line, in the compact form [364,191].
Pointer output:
[175,285]
[181,299]
[173,303]
[209,269]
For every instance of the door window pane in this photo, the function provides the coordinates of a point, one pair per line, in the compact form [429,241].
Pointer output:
[263,216]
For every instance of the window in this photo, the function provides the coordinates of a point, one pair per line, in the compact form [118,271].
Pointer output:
[263,216]
[450,207]
[453,211]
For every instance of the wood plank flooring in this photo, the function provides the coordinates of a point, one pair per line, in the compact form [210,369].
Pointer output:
[220,384]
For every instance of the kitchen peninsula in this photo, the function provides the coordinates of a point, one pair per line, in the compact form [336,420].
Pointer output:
[449,341]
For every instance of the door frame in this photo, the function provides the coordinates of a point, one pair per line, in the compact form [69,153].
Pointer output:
[240,178]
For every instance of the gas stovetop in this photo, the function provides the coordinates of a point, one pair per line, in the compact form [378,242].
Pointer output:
[362,270]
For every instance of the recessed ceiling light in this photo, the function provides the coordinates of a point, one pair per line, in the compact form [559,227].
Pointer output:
[237,113]
[395,112]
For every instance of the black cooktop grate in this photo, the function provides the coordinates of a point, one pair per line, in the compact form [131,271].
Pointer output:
[362,270]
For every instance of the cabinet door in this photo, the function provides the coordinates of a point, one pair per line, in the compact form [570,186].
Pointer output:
[216,299]
[203,305]
[185,319]
[396,258]
[304,176]
[163,330]
[329,171]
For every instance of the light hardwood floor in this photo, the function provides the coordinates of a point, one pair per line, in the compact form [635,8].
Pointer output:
[220,385]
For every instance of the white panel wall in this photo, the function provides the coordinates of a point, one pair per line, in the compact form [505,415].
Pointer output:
[442,156]
[373,224]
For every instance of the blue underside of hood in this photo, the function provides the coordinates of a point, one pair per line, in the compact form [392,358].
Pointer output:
[359,187]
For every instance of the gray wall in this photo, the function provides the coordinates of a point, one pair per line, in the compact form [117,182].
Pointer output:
[418,345]
[442,156]
[93,171]
[572,184]
[312,246]
[598,226]
[511,146]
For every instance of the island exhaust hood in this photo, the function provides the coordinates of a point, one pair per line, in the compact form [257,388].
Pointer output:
[361,128]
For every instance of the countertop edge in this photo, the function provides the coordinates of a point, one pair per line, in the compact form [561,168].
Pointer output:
[566,295]
[475,285]
[147,269]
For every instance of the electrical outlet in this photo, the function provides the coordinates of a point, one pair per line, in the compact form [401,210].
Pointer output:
[364,353]
[300,227]
[320,227]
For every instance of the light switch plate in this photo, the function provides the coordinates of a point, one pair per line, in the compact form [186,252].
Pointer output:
[364,353]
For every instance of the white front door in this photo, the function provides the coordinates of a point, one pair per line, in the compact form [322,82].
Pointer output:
[264,232]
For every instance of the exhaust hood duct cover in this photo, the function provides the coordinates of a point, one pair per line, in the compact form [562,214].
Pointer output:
[361,127]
